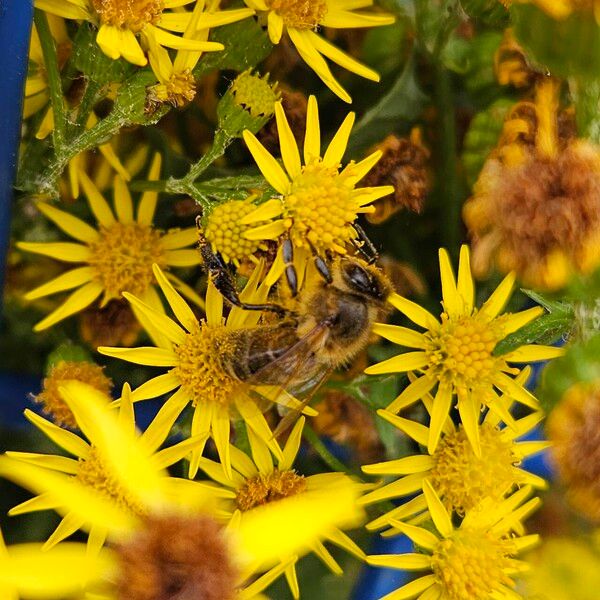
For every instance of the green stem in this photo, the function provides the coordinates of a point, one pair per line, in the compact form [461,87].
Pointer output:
[90,138]
[451,202]
[327,457]
[220,143]
[90,98]
[54,82]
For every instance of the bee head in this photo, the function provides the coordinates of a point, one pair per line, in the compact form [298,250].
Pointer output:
[364,279]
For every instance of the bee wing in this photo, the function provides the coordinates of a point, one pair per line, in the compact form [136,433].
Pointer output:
[298,374]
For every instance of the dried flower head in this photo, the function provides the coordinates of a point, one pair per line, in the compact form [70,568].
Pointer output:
[403,165]
[536,204]
[52,401]
[574,428]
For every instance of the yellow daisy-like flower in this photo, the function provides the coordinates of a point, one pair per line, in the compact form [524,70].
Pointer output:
[456,353]
[88,467]
[197,355]
[258,481]
[177,83]
[301,19]
[461,479]
[472,562]
[120,22]
[118,255]
[175,543]
[318,202]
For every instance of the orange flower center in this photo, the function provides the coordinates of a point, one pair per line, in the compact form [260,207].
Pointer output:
[128,14]
[300,14]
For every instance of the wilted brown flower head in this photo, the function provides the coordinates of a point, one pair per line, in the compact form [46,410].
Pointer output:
[403,165]
[177,558]
[112,325]
[347,422]
[536,204]
[52,401]
[574,429]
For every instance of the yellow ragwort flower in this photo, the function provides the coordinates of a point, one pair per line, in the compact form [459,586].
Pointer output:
[456,353]
[175,542]
[89,468]
[318,203]
[195,354]
[177,84]
[472,562]
[118,255]
[258,481]
[460,478]
[120,22]
[302,18]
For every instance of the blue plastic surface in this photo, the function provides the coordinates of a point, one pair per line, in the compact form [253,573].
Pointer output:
[15,28]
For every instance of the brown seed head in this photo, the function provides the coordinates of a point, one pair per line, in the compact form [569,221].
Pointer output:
[574,429]
[177,558]
[403,165]
[50,398]
[112,325]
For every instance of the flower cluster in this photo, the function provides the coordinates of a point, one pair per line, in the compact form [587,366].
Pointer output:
[234,382]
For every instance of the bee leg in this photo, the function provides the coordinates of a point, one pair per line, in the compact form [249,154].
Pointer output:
[365,246]
[222,280]
[287,251]
[321,264]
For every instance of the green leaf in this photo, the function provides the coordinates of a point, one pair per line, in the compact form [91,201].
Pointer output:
[402,103]
[246,44]
[88,58]
[581,364]
[587,108]
[482,137]
[567,47]
[489,12]
[558,322]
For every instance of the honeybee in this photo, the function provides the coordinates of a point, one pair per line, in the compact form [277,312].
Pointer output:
[328,323]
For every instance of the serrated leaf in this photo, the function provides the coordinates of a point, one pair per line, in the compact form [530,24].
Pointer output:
[88,58]
[246,44]
[545,330]
[547,303]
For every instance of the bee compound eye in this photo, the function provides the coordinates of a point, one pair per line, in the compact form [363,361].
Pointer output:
[361,280]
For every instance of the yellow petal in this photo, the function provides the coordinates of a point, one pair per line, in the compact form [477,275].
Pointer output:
[466,287]
[65,439]
[68,526]
[163,323]
[149,356]
[494,305]
[179,238]
[337,146]
[71,225]
[304,42]
[416,431]
[312,136]
[268,166]
[147,205]
[66,281]
[182,258]
[438,513]
[64,251]
[156,387]
[57,574]
[409,361]
[420,536]
[412,589]
[98,205]
[401,466]
[123,202]
[417,314]
[178,305]
[512,322]
[401,335]
[220,432]
[439,413]
[416,390]
[406,562]
[77,301]
[287,142]
[341,58]
[275,27]
[469,410]
[529,353]
[452,303]
[158,430]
